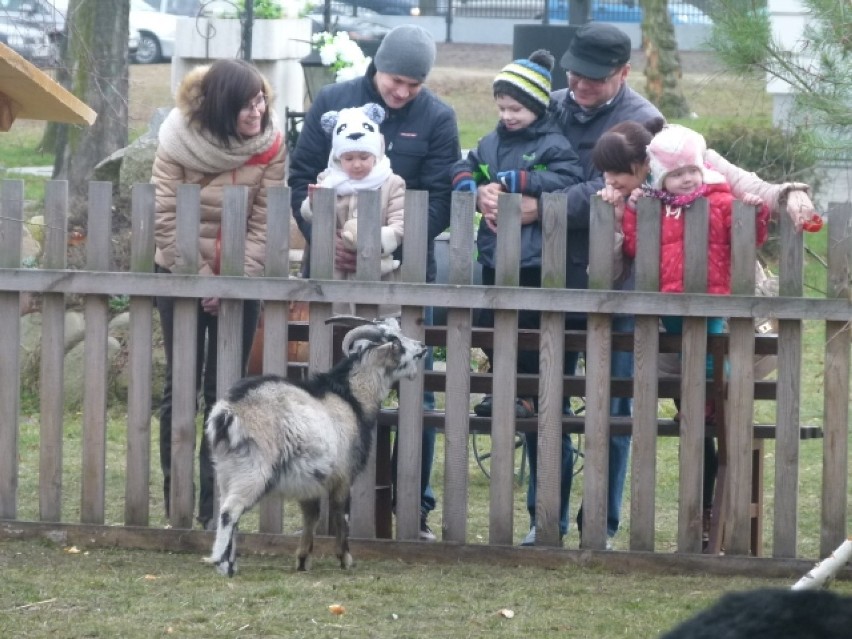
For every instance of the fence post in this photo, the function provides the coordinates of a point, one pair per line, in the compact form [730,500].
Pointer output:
[457,407]
[504,379]
[410,426]
[52,365]
[788,407]
[275,318]
[11,219]
[184,382]
[646,345]
[364,489]
[551,372]
[738,412]
[140,362]
[838,336]
[598,395]
[96,314]
[693,384]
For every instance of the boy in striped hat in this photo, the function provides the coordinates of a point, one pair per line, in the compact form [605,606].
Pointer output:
[527,154]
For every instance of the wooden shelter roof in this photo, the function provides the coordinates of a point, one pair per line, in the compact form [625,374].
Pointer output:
[29,93]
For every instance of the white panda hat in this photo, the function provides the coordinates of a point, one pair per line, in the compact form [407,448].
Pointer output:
[355,129]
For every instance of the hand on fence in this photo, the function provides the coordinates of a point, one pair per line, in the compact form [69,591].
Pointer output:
[513,181]
[210,305]
[345,260]
[466,185]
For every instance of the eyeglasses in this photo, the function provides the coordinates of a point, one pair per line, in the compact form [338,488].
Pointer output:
[576,77]
[258,103]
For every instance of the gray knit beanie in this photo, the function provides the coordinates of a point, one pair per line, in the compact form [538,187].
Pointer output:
[406,50]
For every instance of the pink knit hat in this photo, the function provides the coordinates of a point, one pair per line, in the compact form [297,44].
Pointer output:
[676,147]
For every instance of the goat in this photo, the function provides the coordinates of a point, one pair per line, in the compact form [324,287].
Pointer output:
[306,439]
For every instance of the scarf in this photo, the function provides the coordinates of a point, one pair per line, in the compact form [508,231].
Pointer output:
[337,179]
[198,150]
[674,203]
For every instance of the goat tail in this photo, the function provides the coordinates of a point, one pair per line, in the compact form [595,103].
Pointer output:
[224,425]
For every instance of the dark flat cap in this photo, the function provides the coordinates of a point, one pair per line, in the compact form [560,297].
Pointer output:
[596,50]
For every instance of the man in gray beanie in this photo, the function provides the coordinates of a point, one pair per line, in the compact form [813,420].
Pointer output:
[422,142]
[407,50]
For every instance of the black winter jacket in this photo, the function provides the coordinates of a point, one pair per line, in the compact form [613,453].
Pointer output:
[421,141]
[550,162]
[583,128]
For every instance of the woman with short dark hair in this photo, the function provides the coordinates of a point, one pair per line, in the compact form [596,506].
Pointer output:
[221,133]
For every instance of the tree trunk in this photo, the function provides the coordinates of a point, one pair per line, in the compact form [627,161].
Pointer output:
[97,61]
[662,61]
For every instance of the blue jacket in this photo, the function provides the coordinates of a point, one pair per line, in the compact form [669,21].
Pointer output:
[421,141]
[551,165]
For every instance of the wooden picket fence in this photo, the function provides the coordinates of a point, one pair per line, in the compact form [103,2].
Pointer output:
[54,282]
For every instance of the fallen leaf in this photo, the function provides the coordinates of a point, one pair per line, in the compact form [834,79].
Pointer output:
[72,550]
[150,577]
[506,613]
[336,609]
[394,616]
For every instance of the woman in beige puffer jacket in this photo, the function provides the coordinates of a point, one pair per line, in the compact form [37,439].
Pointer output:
[222,132]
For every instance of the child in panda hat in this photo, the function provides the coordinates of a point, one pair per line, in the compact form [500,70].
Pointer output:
[357,162]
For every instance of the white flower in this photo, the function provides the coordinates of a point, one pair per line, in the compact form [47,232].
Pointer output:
[342,54]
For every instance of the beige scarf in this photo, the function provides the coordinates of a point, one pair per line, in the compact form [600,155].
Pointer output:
[196,149]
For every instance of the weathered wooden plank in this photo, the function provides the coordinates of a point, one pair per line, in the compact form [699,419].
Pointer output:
[363,515]
[739,412]
[645,370]
[140,363]
[409,445]
[693,364]
[421,294]
[457,398]
[321,356]
[52,365]
[275,316]
[788,408]
[184,358]
[838,338]
[229,321]
[551,366]
[504,364]
[11,218]
[598,355]
[96,314]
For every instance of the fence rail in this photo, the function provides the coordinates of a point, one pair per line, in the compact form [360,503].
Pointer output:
[96,283]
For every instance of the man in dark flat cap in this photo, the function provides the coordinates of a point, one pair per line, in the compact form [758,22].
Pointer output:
[597,97]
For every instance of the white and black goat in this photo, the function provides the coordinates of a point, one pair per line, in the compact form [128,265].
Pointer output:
[305,440]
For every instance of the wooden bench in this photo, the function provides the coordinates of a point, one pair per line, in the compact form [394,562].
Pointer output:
[669,386]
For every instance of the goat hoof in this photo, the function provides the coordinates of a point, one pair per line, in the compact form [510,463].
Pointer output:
[226,568]
[345,561]
[304,564]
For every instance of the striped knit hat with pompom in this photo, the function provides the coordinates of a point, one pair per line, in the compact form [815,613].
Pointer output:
[527,81]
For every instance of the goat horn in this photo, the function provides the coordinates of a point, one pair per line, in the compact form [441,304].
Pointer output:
[348,320]
[368,332]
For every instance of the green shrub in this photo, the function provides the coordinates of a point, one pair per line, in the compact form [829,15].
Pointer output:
[774,155]
[263,9]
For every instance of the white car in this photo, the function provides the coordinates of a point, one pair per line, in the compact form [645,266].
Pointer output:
[156,32]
